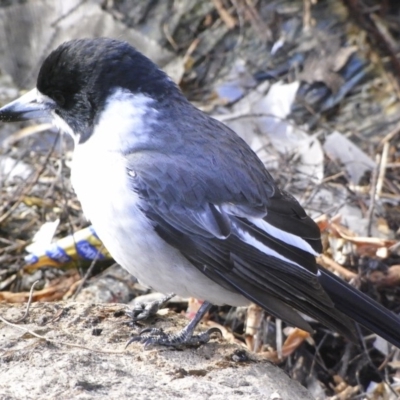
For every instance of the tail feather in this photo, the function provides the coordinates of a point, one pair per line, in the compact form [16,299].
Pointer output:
[361,308]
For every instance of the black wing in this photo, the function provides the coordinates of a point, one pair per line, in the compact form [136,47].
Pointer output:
[218,223]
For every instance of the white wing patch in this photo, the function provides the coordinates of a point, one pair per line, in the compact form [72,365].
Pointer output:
[285,237]
[252,241]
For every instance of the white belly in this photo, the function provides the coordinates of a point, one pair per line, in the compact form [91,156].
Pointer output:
[101,183]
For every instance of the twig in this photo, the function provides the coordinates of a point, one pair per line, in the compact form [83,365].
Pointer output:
[229,21]
[387,359]
[369,25]
[254,16]
[371,363]
[382,170]
[68,13]
[25,132]
[390,136]
[317,353]
[169,37]
[306,15]
[394,248]
[33,333]
[335,267]
[378,178]
[28,306]
[279,337]
[333,177]
[29,185]
[374,180]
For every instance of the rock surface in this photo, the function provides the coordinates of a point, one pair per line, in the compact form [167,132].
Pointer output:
[81,355]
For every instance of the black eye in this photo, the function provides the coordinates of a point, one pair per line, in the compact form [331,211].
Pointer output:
[58,98]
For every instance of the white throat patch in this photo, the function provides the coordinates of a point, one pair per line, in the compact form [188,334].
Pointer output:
[124,122]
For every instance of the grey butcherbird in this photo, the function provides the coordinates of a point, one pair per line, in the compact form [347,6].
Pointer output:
[182,202]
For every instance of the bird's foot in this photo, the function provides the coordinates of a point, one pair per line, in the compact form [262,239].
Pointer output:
[145,310]
[184,338]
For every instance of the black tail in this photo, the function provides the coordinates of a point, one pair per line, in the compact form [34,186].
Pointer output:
[361,308]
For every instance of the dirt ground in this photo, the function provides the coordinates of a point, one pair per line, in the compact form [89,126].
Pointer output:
[80,354]
[314,87]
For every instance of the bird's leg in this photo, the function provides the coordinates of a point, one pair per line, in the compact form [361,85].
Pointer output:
[145,310]
[155,336]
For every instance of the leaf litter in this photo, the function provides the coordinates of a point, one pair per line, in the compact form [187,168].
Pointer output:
[312,86]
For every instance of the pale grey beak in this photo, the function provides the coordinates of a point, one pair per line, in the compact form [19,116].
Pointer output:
[32,105]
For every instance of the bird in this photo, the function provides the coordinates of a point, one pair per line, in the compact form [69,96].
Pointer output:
[182,202]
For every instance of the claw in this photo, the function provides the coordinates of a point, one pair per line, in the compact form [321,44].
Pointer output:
[215,330]
[143,311]
[150,335]
[131,340]
[155,336]
[153,331]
